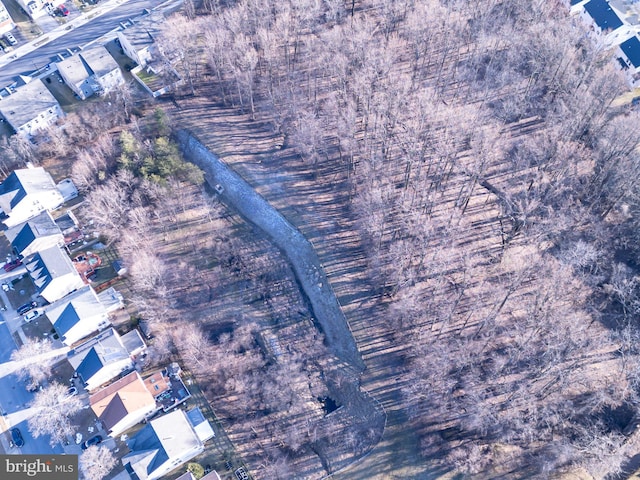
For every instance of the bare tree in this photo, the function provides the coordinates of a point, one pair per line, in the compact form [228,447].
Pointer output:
[52,408]
[35,359]
[96,462]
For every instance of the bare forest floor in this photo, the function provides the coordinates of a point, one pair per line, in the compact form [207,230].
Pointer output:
[317,202]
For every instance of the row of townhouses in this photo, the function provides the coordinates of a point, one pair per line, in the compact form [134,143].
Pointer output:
[614,24]
[92,71]
[106,364]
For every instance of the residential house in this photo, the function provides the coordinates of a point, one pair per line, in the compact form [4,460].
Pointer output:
[26,193]
[106,75]
[30,109]
[79,314]
[75,74]
[123,404]
[629,58]
[91,71]
[105,356]
[6,22]
[138,41]
[602,16]
[161,446]
[39,233]
[34,8]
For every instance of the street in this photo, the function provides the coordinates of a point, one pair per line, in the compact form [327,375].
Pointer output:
[80,36]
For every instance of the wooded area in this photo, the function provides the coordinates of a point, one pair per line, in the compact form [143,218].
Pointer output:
[493,183]
[475,152]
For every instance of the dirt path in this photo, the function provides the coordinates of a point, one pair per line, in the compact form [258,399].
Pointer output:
[317,202]
[300,252]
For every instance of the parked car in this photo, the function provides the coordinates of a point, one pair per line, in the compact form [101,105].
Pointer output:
[32,315]
[72,391]
[16,437]
[12,265]
[10,38]
[95,440]
[64,11]
[22,309]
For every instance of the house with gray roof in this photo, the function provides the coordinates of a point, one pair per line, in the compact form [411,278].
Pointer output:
[78,314]
[92,71]
[139,41]
[161,446]
[106,75]
[76,75]
[26,193]
[53,274]
[30,109]
[105,356]
[39,233]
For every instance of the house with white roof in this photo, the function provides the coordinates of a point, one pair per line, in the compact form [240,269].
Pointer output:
[53,274]
[30,109]
[39,233]
[26,193]
[161,446]
[78,314]
[123,404]
[105,356]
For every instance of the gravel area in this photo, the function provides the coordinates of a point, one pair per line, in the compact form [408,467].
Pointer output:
[239,194]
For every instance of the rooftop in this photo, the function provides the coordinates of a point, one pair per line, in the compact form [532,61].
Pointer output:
[27,103]
[23,182]
[68,311]
[602,13]
[49,264]
[144,32]
[631,49]
[99,60]
[166,438]
[99,350]
[74,69]
[113,403]
[42,225]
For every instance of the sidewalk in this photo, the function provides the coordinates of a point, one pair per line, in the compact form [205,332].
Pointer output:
[60,31]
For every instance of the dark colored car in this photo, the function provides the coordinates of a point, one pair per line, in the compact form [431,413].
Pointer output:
[12,265]
[95,440]
[64,11]
[16,437]
[22,309]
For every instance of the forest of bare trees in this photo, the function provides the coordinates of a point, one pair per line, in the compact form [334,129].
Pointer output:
[492,178]
[494,182]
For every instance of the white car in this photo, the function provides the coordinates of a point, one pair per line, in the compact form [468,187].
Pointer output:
[10,38]
[32,315]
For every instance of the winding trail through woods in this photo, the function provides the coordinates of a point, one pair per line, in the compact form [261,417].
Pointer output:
[299,251]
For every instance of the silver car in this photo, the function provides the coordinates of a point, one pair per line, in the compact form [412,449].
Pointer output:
[10,38]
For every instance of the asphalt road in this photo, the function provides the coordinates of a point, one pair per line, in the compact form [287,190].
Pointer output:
[80,36]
